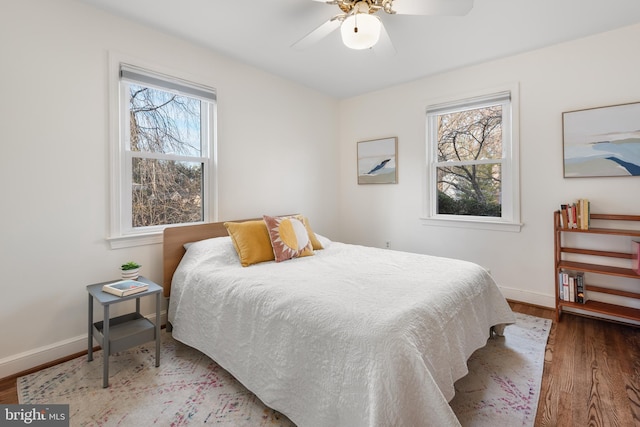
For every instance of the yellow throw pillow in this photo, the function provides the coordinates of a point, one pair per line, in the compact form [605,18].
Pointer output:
[289,237]
[251,240]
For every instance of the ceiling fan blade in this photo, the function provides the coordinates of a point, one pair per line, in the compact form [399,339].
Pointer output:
[433,7]
[384,47]
[319,33]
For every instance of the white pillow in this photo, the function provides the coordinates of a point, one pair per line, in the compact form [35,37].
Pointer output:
[217,251]
[324,241]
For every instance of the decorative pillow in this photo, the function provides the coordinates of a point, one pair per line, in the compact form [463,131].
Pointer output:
[251,240]
[312,236]
[289,237]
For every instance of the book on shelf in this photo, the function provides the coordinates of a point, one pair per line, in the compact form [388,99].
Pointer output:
[571,287]
[575,215]
[564,216]
[564,286]
[635,256]
[580,294]
[125,287]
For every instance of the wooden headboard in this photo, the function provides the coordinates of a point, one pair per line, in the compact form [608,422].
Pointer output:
[173,242]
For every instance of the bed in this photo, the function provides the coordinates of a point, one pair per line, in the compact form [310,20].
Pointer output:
[351,336]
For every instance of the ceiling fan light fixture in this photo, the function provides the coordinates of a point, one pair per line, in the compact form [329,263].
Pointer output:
[360,31]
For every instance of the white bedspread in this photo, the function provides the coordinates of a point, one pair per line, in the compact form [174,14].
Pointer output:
[352,336]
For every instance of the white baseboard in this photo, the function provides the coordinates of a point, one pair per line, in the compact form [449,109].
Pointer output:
[39,356]
[549,301]
[529,297]
[30,359]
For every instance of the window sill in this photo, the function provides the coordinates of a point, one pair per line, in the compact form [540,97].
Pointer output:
[513,227]
[135,240]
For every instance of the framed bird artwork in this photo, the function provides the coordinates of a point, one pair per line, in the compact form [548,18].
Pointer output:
[378,161]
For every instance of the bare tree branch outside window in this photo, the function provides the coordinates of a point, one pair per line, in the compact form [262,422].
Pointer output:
[471,142]
[165,191]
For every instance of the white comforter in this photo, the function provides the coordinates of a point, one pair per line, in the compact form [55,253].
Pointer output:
[352,336]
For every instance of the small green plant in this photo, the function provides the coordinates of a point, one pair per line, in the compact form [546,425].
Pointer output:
[130,265]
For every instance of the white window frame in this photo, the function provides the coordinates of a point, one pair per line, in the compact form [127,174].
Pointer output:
[122,234]
[508,97]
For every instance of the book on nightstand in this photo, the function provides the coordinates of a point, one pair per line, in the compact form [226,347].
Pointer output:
[125,287]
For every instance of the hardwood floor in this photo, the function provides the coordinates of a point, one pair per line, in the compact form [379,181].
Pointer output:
[591,373]
[8,391]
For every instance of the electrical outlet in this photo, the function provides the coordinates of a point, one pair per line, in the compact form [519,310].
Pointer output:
[387,244]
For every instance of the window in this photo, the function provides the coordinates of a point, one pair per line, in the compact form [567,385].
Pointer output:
[165,153]
[472,162]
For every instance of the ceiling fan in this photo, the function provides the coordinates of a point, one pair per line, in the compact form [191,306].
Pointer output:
[361,28]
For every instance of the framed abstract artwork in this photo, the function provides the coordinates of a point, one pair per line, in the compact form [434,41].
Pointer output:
[378,161]
[602,141]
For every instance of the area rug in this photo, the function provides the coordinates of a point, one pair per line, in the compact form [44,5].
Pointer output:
[188,388]
[502,388]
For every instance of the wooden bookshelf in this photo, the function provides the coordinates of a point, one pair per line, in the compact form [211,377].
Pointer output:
[562,264]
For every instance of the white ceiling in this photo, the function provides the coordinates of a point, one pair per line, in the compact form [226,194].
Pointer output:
[261,32]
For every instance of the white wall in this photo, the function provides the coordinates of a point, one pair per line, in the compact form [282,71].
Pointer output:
[591,72]
[54,166]
[275,142]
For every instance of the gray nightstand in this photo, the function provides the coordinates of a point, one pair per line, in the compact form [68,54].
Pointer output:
[122,332]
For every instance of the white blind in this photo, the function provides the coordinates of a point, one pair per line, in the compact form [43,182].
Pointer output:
[133,74]
[465,104]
